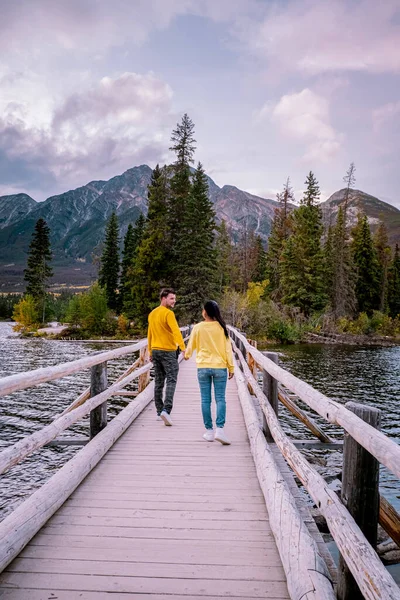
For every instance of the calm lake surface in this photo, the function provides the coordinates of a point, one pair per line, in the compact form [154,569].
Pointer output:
[369,375]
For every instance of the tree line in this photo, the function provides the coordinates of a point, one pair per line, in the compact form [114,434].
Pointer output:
[307,269]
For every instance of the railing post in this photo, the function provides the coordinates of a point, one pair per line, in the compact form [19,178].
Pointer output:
[98,383]
[270,389]
[360,494]
[145,378]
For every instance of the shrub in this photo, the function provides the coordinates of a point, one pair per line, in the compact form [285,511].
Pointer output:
[26,314]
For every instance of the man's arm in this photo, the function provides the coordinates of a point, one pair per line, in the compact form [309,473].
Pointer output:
[176,332]
[149,340]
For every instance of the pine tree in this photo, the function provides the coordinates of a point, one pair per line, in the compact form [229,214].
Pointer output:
[302,258]
[281,229]
[367,266]
[183,144]
[109,263]
[148,272]
[384,256]
[260,268]
[38,270]
[343,292]
[394,284]
[197,282]
[132,242]
[224,258]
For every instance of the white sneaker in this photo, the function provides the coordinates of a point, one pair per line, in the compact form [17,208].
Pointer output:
[221,437]
[166,418]
[209,435]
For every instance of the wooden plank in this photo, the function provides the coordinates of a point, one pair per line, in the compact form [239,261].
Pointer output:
[303,417]
[143,569]
[57,594]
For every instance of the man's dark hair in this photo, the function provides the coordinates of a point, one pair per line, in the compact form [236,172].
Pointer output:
[165,292]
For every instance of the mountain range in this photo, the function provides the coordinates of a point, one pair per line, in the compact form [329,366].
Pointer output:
[77,221]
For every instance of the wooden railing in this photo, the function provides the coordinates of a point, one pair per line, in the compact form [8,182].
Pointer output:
[361,573]
[17,529]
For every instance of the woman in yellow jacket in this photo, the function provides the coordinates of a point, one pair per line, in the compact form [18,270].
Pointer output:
[214,361]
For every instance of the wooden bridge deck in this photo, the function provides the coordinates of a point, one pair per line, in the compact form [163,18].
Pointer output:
[165,515]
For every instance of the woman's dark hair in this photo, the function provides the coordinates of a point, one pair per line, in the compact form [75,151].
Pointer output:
[212,309]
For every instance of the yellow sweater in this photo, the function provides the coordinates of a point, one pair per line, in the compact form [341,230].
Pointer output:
[213,349]
[163,332]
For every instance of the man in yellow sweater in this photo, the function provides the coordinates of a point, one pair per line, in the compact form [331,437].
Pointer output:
[164,338]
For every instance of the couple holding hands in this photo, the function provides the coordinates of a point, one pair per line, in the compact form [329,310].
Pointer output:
[214,361]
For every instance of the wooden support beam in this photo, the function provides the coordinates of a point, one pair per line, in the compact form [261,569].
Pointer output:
[67,442]
[389,519]
[316,445]
[360,495]
[270,389]
[98,383]
[301,415]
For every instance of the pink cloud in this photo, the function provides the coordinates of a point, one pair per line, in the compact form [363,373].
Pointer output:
[315,37]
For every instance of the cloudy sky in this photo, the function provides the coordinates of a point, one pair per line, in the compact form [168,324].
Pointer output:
[90,88]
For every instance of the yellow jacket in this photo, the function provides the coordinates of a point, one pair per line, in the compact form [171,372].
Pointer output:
[213,349]
[163,332]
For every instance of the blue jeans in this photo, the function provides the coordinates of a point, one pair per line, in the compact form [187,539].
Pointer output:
[206,377]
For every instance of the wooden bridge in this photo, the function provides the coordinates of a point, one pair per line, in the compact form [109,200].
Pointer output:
[155,512]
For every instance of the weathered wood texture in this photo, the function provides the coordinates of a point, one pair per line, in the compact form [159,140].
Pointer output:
[22,381]
[378,444]
[365,565]
[98,383]
[301,415]
[164,516]
[360,494]
[270,389]
[15,453]
[86,393]
[306,571]
[389,519]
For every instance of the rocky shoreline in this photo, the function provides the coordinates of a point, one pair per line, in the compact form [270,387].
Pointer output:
[350,339]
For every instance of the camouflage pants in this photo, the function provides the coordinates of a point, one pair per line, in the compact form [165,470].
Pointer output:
[165,370]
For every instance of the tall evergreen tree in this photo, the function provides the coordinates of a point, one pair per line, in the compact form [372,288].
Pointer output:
[183,144]
[38,270]
[132,242]
[281,229]
[148,272]
[260,267]
[394,284]
[302,257]
[342,291]
[341,286]
[224,256]
[367,266]
[196,249]
[384,256]
[110,263]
